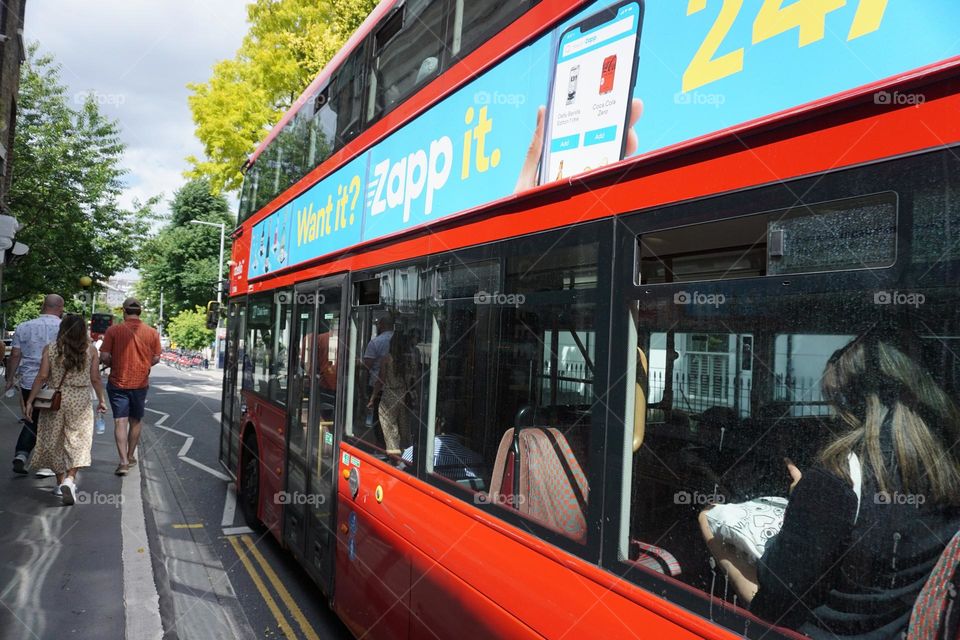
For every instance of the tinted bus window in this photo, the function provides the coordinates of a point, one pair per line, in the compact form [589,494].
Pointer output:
[322,130]
[407,52]
[475,22]
[512,362]
[345,97]
[747,394]
[283,307]
[259,358]
[387,374]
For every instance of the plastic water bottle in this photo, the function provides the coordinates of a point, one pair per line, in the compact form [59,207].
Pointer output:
[101,427]
[10,392]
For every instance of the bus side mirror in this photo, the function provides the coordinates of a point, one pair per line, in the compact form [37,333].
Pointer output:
[213,315]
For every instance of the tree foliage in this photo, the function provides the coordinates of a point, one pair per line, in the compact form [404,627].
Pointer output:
[288,44]
[67,180]
[181,259]
[189,330]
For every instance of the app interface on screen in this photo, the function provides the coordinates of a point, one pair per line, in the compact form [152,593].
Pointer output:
[591,94]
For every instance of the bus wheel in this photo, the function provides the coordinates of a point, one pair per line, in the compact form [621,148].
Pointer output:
[249,497]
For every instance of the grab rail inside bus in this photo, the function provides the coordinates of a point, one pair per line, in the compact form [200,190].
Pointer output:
[515,445]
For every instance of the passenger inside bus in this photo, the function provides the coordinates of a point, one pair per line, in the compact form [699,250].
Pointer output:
[394,389]
[452,459]
[868,545]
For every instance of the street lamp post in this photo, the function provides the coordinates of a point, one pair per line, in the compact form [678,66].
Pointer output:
[216,341]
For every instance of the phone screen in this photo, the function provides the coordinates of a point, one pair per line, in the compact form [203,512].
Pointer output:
[592,92]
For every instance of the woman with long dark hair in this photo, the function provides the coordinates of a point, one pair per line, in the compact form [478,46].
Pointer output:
[66,436]
[864,526]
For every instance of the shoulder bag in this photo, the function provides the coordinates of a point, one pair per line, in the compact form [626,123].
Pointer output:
[49,399]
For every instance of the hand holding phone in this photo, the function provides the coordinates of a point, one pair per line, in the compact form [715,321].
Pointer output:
[590,106]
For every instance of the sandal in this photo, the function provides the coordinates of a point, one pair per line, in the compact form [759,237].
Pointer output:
[122,470]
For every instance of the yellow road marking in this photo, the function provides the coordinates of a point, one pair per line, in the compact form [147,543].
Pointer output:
[292,607]
[188,526]
[262,588]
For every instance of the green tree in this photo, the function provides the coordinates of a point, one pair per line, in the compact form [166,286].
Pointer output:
[65,192]
[288,43]
[181,259]
[188,329]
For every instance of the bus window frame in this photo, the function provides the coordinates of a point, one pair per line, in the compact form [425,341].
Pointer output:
[598,231]
[895,175]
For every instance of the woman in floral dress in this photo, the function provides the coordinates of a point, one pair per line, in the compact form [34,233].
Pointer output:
[65,437]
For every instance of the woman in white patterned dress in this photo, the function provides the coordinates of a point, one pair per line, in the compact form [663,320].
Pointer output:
[65,437]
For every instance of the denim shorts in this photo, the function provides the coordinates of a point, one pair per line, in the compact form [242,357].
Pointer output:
[127,403]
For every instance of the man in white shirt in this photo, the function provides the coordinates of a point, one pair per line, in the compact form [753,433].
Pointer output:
[26,351]
[378,348]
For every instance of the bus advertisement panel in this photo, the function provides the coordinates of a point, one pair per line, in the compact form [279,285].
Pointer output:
[568,102]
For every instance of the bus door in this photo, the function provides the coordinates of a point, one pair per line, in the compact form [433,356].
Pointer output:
[232,401]
[309,498]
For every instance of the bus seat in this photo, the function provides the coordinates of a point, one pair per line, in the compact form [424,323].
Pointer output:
[552,487]
[935,615]
[654,558]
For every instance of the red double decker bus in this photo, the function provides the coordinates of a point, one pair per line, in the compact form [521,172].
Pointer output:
[531,301]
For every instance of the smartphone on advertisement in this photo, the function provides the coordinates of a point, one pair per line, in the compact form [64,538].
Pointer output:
[591,92]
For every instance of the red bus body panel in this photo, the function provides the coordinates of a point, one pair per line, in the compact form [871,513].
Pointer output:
[467,574]
[269,424]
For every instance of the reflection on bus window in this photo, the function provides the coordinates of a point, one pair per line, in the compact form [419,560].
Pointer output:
[407,52]
[387,367]
[734,408]
[513,380]
[259,357]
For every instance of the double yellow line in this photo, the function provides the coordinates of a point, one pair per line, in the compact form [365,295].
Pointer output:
[285,598]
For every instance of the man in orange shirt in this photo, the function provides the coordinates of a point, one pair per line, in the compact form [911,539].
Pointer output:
[130,349]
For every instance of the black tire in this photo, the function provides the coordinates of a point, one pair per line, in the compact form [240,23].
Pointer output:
[249,494]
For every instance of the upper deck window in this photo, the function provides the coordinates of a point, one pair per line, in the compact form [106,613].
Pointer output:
[475,22]
[408,50]
[410,47]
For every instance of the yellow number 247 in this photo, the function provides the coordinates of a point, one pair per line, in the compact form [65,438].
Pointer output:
[807,16]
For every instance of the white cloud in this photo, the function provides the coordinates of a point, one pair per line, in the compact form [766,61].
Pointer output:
[136,57]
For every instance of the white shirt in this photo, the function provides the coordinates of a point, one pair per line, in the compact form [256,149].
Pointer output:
[31,337]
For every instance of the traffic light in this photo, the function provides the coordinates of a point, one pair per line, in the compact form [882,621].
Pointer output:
[100,322]
[213,315]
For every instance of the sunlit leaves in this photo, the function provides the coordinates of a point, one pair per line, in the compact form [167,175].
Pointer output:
[288,43]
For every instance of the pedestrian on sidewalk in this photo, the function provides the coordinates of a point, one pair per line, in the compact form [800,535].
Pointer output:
[65,437]
[130,349]
[26,353]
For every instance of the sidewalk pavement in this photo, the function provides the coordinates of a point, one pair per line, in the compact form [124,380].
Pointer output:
[67,571]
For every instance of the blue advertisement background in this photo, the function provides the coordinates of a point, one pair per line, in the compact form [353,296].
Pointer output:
[777,74]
